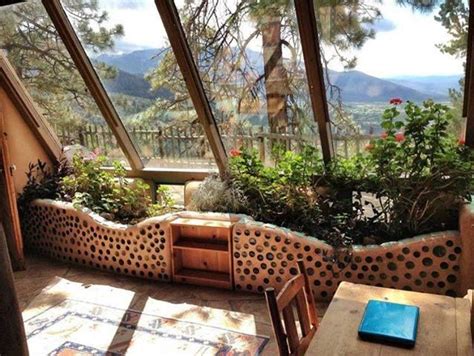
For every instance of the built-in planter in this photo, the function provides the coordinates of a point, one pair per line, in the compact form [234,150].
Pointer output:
[262,255]
[266,255]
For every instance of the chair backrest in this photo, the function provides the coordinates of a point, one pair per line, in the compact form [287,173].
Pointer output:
[295,293]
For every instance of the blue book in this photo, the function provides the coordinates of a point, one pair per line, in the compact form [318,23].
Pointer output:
[392,323]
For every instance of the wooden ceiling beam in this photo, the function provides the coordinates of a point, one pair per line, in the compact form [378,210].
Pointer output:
[91,79]
[176,36]
[308,30]
[23,102]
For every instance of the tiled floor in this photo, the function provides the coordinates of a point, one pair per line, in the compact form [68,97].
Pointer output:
[40,273]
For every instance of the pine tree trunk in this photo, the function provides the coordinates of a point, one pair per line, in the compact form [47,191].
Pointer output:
[276,79]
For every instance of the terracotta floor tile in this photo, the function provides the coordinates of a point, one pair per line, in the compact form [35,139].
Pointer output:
[41,271]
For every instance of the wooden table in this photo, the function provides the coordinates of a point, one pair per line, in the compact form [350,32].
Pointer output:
[443,328]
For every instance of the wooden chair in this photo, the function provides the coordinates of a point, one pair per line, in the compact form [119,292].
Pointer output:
[296,292]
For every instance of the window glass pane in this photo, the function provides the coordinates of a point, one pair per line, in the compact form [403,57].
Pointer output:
[40,59]
[140,74]
[375,51]
[250,60]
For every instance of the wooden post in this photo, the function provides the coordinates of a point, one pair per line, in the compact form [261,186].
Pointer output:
[12,330]
[171,132]
[160,143]
[81,136]
[178,139]
[250,139]
[104,139]
[261,145]
[63,138]
[357,138]
[96,136]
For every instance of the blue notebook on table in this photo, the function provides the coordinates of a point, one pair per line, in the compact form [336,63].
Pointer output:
[392,323]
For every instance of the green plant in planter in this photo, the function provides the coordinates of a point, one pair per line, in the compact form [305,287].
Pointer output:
[164,202]
[283,194]
[108,193]
[418,171]
[42,182]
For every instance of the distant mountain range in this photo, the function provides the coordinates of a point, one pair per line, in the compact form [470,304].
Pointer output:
[436,84]
[355,86]
[136,62]
[135,85]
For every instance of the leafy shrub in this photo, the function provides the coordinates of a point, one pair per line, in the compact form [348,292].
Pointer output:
[164,202]
[417,174]
[86,184]
[282,194]
[43,182]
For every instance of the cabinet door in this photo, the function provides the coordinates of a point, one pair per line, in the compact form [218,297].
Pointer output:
[8,207]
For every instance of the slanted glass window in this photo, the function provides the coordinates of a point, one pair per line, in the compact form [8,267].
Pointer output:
[139,72]
[250,60]
[375,51]
[40,59]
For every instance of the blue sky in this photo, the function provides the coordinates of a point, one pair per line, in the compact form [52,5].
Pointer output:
[405,43]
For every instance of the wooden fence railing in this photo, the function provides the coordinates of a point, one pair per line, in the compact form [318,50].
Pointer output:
[190,143]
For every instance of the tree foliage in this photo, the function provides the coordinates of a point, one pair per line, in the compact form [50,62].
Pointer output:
[40,59]
[223,35]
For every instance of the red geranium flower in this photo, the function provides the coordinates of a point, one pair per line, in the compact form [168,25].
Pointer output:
[235,152]
[399,137]
[461,141]
[383,135]
[396,101]
[369,147]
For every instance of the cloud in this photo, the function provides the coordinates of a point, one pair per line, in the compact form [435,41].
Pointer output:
[122,4]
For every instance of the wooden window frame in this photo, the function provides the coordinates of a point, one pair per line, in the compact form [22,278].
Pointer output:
[85,68]
[468,107]
[309,37]
[174,29]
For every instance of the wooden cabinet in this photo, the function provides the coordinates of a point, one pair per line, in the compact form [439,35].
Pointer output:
[202,252]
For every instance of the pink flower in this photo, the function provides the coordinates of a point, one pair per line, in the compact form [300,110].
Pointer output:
[235,152]
[383,135]
[399,137]
[369,147]
[396,101]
